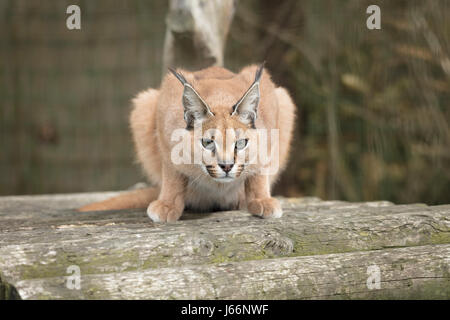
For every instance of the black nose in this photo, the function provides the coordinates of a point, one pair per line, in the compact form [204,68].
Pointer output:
[226,167]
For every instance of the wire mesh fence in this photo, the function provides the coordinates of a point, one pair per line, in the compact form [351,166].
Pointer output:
[373,105]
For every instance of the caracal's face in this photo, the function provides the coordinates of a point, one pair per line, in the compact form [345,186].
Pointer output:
[225,146]
[222,132]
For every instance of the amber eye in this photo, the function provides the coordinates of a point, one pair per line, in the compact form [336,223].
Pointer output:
[208,144]
[241,144]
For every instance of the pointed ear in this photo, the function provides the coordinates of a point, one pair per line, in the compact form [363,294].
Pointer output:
[247,107]
[195,108]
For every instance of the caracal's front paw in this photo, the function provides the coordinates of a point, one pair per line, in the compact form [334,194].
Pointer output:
[265,208]
[162,211]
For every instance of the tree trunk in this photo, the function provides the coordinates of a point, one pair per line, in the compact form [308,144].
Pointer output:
[196,33]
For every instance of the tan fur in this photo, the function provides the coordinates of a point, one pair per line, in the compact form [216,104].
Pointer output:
[157,113]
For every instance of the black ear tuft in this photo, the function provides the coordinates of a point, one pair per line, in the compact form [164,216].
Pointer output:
[179,76]
[259,72]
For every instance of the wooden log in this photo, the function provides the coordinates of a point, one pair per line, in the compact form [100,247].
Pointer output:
[405,273]
[41,236]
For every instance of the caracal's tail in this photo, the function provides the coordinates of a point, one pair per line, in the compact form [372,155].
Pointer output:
[135,199]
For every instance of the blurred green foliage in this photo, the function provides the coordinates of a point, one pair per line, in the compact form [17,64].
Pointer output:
[373,105]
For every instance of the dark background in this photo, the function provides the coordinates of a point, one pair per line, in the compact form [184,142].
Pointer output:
[373,105]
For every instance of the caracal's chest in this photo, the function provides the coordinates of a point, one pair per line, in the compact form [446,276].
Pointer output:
[211,196]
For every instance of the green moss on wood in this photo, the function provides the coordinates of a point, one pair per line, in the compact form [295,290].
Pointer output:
[113,261]
[8,291]
[239,247]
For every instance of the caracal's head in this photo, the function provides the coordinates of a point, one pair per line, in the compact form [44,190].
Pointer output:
[223,139]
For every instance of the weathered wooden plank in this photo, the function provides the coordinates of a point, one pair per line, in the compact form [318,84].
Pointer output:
[42,235]
[21,205]
[46,205]
[405,273]
[105,242]
[50,206]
